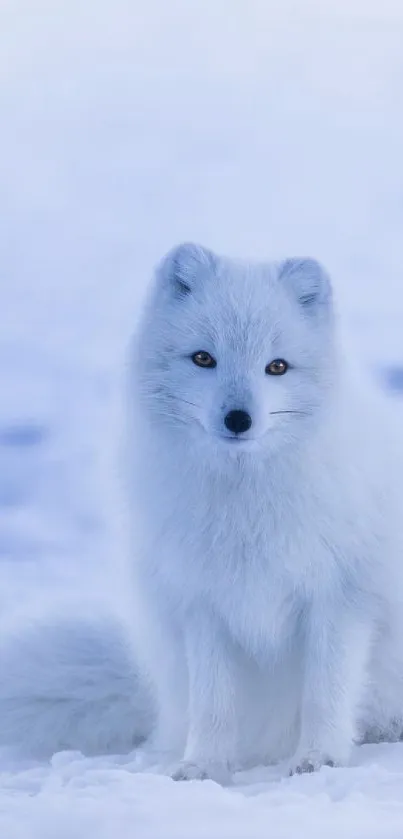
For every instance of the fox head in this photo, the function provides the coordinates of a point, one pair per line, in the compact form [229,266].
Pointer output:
[236,354]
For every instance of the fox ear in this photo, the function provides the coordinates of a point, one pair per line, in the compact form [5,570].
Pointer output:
[184,265]
[308,282]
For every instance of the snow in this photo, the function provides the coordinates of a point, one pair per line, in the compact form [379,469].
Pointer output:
[80,797]
[259,129]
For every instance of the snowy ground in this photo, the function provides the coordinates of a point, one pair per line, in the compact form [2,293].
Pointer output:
[258,128]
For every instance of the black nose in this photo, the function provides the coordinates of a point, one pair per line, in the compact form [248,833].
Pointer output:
[238,421]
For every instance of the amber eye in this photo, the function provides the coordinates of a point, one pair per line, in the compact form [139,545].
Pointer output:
[277,367]
[203,359]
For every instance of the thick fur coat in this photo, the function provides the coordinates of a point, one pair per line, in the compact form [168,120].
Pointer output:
[266,565]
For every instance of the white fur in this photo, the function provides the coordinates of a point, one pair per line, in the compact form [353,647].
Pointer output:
[68,682]
[266,572]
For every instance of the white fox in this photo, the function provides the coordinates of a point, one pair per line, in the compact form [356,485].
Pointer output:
[267,566]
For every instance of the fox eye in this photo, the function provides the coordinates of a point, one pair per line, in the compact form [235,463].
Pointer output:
[203,359]
[277,367]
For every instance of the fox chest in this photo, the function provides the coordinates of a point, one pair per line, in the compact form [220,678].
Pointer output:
[241,564]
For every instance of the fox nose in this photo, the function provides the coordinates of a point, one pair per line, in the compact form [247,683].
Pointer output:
[238,421]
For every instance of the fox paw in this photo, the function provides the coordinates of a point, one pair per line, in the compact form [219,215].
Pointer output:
[311,762]
[189,771]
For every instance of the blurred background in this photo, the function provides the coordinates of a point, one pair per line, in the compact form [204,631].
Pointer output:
[261,129]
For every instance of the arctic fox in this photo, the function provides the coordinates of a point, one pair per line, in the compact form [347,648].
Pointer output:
[267,564]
